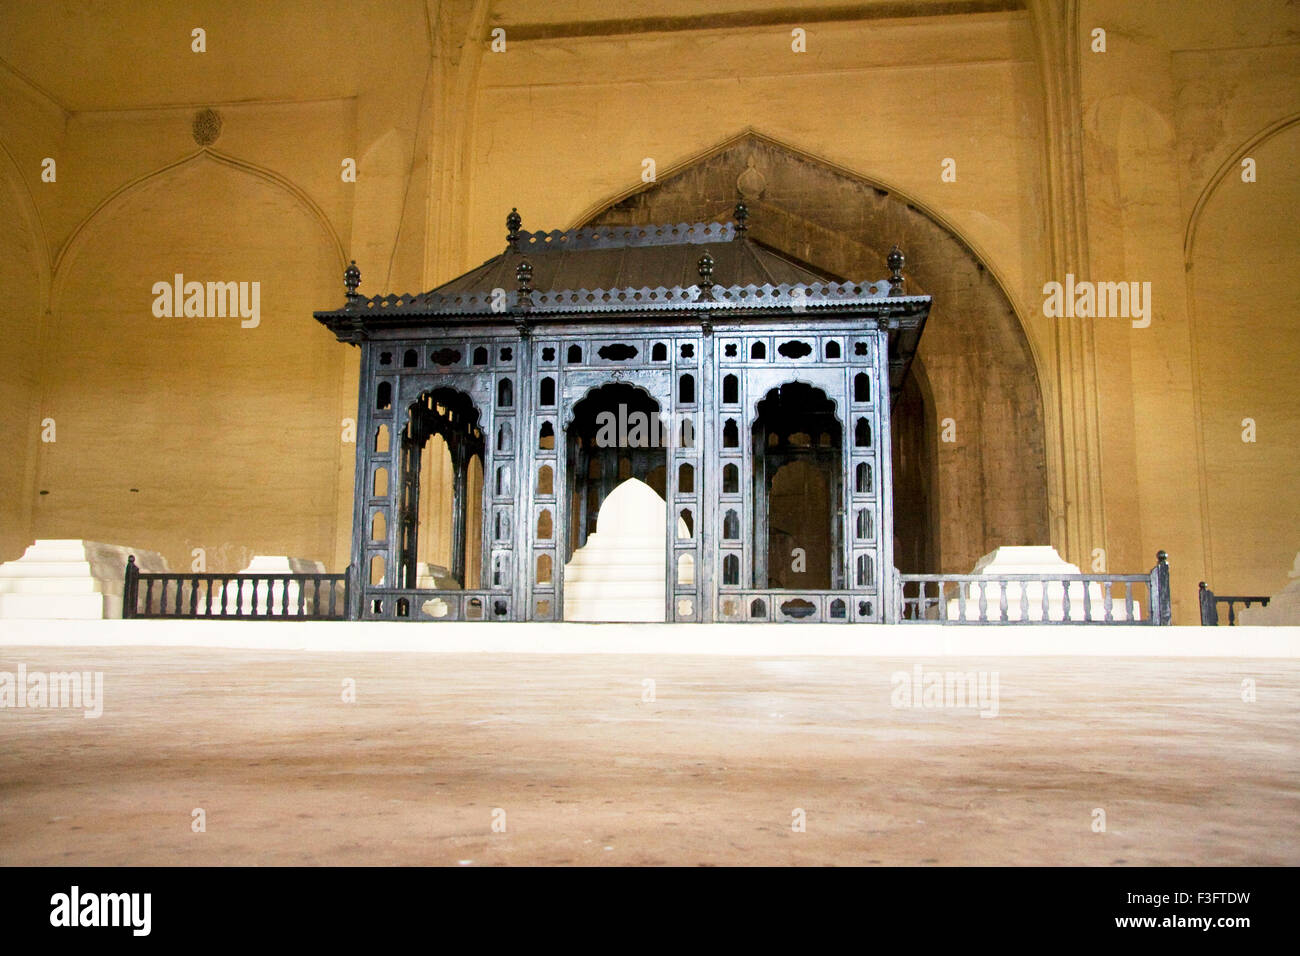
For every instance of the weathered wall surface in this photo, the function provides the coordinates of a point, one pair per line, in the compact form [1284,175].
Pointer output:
[1182,93]
[448,135]
[232,437]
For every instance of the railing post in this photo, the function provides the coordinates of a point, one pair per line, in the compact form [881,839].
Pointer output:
[351,593]
[1161,611]
[892,612]
[130,586]
[1209,612]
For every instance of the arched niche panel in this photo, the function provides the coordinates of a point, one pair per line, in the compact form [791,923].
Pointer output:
[260,372]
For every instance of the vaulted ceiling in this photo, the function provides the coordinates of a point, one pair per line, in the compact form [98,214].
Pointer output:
[124,55]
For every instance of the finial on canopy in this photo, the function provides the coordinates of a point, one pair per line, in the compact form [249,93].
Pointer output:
[741,215]
[895,263]
[705,267]
[513,222]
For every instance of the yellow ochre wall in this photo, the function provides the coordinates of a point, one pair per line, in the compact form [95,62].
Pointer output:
[1119,166]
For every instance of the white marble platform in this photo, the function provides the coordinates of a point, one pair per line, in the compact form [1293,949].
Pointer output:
[68,578]
[902,641]
[619,574]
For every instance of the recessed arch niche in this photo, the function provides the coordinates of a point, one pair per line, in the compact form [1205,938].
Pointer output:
[223,429]
[975,366]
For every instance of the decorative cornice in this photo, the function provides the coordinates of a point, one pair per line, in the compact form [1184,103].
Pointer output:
[816,295]
[623,237]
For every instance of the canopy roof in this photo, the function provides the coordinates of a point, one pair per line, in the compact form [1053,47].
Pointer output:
[703,272]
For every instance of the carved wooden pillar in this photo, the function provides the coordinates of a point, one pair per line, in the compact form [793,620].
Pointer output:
[408,505]
[762,488]
[460,453]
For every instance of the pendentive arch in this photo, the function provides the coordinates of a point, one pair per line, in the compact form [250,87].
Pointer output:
[982,367]
[1231,164]
[1239,230]
[21,380]
[30,213]
[199,388]
[76,238]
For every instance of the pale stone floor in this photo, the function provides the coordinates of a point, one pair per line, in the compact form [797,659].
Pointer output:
[588,773]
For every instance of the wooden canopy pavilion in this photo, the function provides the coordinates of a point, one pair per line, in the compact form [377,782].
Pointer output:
[741,386]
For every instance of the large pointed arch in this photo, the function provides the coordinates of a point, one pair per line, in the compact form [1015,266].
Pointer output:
[76,238]
[983,373]
[186,432]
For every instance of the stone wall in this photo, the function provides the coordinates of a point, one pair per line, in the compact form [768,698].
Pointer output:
[1102,439]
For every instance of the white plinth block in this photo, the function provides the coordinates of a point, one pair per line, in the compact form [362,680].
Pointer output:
[619,574]
[69,579]
[434,577]
[1037,559]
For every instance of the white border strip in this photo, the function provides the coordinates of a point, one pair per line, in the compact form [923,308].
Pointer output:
[729,640]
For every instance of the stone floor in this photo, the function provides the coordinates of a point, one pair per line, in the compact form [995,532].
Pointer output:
[710,772]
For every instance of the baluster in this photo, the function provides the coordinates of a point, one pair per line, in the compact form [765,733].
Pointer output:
[130,584]
[179,590]
[284,597]
[239,596]
[1107,603]
[1087,601]
[1024,600]
[1002,601]
[194,597]
[1065,601]
[1130,603]
[1164,611]
[302,597]
[941,596]
[984,602]
[1046,606]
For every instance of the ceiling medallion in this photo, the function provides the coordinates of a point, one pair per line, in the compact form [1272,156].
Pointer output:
[206,126]
[751,182]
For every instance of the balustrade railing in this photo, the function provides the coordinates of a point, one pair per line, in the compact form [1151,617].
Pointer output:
[1210,605]
[1036,598]
[247,597]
